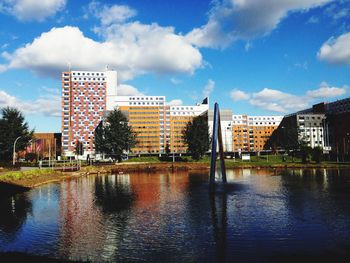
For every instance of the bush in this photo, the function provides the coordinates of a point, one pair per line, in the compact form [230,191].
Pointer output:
[30,157]
[306,152]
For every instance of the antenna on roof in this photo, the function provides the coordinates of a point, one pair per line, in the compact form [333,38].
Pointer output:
[69,66]
[106,67]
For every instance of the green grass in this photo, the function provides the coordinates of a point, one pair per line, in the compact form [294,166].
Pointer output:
[147,159]
[20,175]
[263,160]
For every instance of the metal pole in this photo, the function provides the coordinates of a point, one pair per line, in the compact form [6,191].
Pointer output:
[14,151]
[221,151]
[55,150]
[49,153]
[213,149]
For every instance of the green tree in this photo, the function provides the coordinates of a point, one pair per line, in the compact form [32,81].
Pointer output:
[196,136]
[114,135]
[12,126]
[79,148]
[306,152]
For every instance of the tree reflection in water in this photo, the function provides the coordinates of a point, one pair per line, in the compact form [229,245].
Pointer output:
[113,194]
[14,212]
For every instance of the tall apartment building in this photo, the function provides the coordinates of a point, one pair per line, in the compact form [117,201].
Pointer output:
[157,124]
[84,100]
[250,133]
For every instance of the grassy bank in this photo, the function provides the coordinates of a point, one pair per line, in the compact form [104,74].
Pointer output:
[255,161]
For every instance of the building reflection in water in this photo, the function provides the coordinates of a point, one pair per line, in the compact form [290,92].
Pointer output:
[166,217]
[81,221]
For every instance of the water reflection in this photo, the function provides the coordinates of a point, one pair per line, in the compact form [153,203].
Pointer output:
[218,204]
[113,193]
[170,217]
[14,212]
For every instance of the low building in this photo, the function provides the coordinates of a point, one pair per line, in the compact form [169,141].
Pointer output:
[44,145]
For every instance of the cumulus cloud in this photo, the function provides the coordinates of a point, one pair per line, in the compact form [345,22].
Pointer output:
[336,50]
[231,20]
[325,91]
[25,10]
[48,104]
[278,101]
[283,102]
[175,103]
[111,14]
[128,90]
[237,95]
[131,48]
[208,88]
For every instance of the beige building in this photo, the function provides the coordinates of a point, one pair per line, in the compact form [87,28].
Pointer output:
[158,126]
[250,133]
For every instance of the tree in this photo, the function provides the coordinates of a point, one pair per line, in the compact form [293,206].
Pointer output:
[12,126]
[306,152]
[114,135]
[79,148]
[196,136]
[167,149]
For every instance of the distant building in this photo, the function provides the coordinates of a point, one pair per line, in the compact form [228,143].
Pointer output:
[338,125]
[44,145]
[304,127]
[250,133]
[157,124]
[85,96]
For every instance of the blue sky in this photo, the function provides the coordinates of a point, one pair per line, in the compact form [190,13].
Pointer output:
[252,56]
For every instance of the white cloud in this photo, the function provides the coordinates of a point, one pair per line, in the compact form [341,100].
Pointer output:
[3,68]
[336,50]
[325,91]
[304,65]
[231,20]
[248,46]
[48,104]
[116,14]
[175,103]
[283,102]
[208,88]
[278,101]
[313,20]
[175,81]
[131,48]
[128,90]
[237,95]
[25,10]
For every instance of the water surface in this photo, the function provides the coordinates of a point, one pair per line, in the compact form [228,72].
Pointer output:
[266,215]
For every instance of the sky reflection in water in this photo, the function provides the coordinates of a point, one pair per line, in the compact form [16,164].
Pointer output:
[265,215]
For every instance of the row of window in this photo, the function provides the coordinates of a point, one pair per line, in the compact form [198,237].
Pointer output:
[146,98]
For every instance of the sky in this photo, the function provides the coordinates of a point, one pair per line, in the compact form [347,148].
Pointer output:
[256,57]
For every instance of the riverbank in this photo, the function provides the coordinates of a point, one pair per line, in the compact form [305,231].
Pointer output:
[26,180]
[33,178]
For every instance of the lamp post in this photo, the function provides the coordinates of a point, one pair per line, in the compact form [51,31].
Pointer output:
[14,151]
